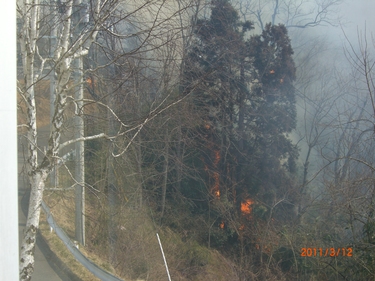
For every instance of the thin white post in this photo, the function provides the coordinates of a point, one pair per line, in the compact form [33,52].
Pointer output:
[165,261]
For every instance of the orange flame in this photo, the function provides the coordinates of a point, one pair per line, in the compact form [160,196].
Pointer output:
[222,225]
[216,186]
[272,71]
[217,193]
[216,176]
[246,206]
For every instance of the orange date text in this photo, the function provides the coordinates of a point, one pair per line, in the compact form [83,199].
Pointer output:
[328,252]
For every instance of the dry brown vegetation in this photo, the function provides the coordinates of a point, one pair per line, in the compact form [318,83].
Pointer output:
[137,254]
[136,251]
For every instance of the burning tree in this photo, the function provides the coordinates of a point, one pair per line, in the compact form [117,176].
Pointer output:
[246,103]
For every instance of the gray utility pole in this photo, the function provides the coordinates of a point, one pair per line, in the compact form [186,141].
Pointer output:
[80,19]
[53,176]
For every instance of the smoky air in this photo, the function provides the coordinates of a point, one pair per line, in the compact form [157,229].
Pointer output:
[196,140]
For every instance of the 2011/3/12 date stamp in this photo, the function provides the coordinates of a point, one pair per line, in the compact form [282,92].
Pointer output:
[328,252]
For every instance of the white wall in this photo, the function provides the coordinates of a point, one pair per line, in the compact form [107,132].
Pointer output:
[8,145]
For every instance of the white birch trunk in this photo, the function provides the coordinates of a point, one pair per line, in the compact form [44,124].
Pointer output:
[37,181]
[28,47]
[37,173]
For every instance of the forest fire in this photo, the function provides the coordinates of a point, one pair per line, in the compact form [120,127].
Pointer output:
[213,171]
[216,175]
[217,193]
[246,207]
[216,185]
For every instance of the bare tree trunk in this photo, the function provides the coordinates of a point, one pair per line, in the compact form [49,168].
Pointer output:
[179,157]
[111,181]
[186,42]
[140,173]
[340,173]
[112,190]
[241,114]
[165,171]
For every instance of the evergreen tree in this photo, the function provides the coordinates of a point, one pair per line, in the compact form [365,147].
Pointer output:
[243,92]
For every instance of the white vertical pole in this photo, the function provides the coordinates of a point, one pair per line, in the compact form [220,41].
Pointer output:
[80,147]
[80,160]
[165,261]
[8,145]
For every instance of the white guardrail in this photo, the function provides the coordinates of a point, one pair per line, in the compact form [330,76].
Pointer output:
[92,267]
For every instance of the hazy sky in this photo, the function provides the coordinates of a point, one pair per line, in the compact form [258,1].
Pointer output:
[355,14]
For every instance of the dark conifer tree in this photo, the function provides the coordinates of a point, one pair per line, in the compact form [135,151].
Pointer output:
[243,91]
